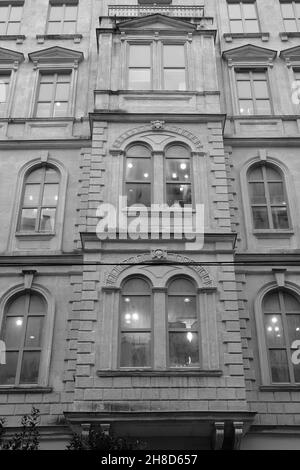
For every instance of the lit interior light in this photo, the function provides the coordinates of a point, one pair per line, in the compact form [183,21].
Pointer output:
[181,188]
[56,198]
[19,322]
[189,336]
[127,316]
[30,198]
[270,328]
[186,300]
[186,176]
[274,320]
[127,299]
[135,316]
[278,336]
[32,337]
[174,175]
[276,328]
[130,165]
[298,329]
[146,175]
[57,104]
[183,166]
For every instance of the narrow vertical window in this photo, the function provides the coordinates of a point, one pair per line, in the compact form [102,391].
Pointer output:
[282,327]
[291,16]
[10,19]
[174,67]
[243,17]
[53,95]
[139,71]
[253,91]
[178,176]
[138,175]
[4,87]
[22,333]
[39,202]
[62,18]
[135,324]
[268,198]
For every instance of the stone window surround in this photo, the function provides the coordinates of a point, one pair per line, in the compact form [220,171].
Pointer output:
[206,306]
[291,57]
[9,63]
[60,3]
[44,369]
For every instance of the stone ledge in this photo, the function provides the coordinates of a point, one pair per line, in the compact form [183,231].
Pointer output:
[8,389]
[161,373]
[280,388]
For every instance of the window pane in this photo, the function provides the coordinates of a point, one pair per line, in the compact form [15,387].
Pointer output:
[263,107]
[4,84]
[273,174]
[13,332]
[260,89]
[138,151]
[179,193]
[271,303]
[297,9]
[138,194]
[62,91]
[60,109]
[139,79]
[175,79]
[46,92]
[136,286]
[280,217]
[30,367]
[28,220]
[178,170]
[182,312]
[297,372]
[234,11]
[244,89]
[136,312]
[17,305]
[31,195]
[35,176]
[290,25]
[51,175]
[34,332]
[279,366]
[56,12]
[183,349]
[174,56]
[71,12]
[236,26]
[291,303]
[16,13]
[287,10]
[274,331]
[257,193]
[36,304]
[251,26]
[138,169]
[135,350]
[276,193]
[249,10]
[293,322]
[8,370]
[69,27]
[260,217]
[139,56]
[181,286]
[256,174]
[50,196]
[54,27]
[43,110]
[246,107]
[47,223]
[177,151]
[13,28]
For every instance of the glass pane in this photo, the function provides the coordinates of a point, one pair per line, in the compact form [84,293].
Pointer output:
[51,176]
[36,304]
[260,217]
[36,176]
[255,174]
[274,331]
[276,193]
[263,107]
[236,26]
[30,367]
[246,107]
[138,151]
[139,79]
[297,372]
[138,169]
[17,305]
[290,26]
[4,12]
[56,12]
[71,12]
[178,170]
[28,220]
[293,322]
[43,110]
[31,195]
[234,11]
[34,332]
[273,174]
[249,10]
[60,109]
[177,151]
[13,28]
[260,89]
[279,366]
[8,370]
[297,9]
[174,56]
[271,303]
[140,56]
[183,349]
[69,27]
[291,303]
[136,312]
[287,10]
[62,91]
[174,79]
[4,84]
[13,332]
[280,217]
[244,89]
[16,13]
[54,27]
[135,350]
[138,194]
[257,193]
[50,196]
[251,26]
[136,286]
[182,312]
[47,223]
[179,286]
[46,92]
[179,194]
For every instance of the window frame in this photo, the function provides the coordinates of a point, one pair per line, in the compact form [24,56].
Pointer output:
[55,73]
[295,18]
[191,181]
[63,4]
[251,71]
[243,18]
[9,73]
[11,5]
[151,182]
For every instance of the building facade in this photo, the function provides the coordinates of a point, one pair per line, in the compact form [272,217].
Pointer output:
[192,103]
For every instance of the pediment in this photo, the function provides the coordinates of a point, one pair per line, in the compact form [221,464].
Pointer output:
[55,55]
[250,53]
[292,54]
[156,22]
[8,56]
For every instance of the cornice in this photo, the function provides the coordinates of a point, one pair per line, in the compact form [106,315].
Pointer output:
[41,260]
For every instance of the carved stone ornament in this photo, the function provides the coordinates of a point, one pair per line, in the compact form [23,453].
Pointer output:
[157,125]
[159,254]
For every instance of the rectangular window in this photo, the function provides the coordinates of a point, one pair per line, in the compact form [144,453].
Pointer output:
[174,67]
[10,19]
[4,88]
[291,16]
[53,95]
[253,91]
[62,18]
[140,69]
[243,17]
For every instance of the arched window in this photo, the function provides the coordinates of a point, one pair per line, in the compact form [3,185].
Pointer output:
[281,310]
[39,201]
[268,198]
[135,324]
[183,328]
[178,175]
[138,174]
[22,333]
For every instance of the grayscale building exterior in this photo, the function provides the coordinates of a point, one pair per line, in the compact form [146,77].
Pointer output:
[181,102]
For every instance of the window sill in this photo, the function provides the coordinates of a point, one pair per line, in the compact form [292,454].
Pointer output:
[35,236]
[19,38]
[159,373]
[41,38]
[24,389]
[284,36]
[230,36]
[280,388]
[273,234]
